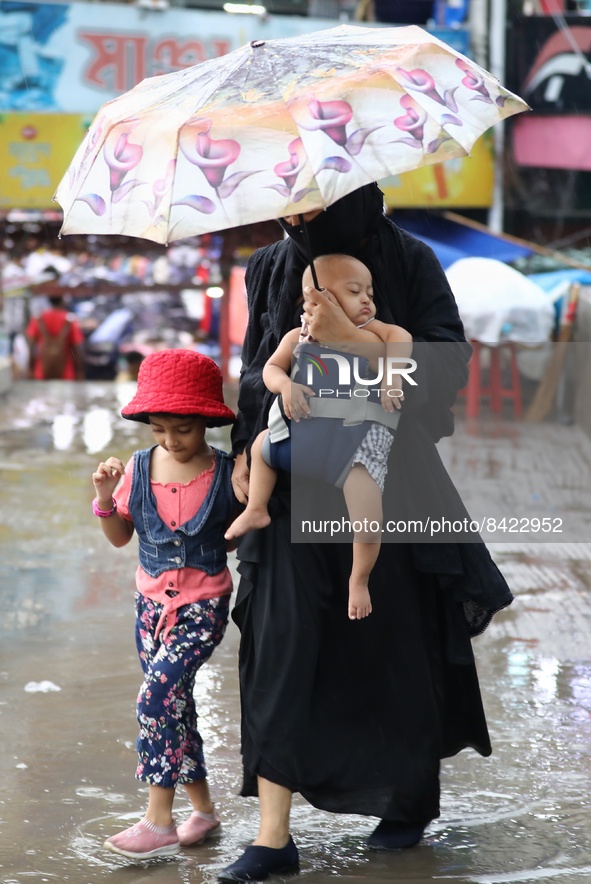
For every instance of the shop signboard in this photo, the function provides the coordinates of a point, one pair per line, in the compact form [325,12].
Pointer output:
[551,69]
[465,182]
[550,63]
[73,57]
[35,150]
[60,62]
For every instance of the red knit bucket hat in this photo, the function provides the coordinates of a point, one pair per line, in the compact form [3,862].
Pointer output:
[179,382]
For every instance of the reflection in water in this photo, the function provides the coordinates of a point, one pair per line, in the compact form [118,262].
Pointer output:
[546,680]
[63,430]
[580,685]
[97,429]
[518,667]
[564,876]
[542,759]
[66,770]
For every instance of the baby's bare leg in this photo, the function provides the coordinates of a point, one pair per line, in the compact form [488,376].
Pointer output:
[364,503]
[260,488]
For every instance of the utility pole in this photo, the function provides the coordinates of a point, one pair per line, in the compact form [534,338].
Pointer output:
[498,35]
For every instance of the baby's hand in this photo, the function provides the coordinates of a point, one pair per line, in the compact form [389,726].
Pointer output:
[106,477]
[392,395]
[295,402]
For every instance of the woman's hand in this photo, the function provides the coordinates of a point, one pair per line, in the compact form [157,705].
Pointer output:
[240,478]
[106,478]
[325,318]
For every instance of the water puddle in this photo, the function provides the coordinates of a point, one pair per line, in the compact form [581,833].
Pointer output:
[68,757]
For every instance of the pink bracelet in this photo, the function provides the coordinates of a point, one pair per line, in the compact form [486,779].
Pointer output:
[103,514]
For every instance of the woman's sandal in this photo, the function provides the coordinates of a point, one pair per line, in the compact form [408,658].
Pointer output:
[257,863]
[395,836]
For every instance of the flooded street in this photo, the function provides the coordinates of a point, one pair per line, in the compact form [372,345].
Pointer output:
[69,676]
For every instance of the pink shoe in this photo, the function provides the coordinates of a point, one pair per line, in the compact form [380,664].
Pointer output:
[145,841]
[197,828]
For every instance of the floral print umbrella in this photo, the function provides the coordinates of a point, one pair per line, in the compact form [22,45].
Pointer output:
[276,128]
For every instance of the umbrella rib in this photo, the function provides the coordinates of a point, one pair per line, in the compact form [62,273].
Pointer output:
[275,77]
[231,72]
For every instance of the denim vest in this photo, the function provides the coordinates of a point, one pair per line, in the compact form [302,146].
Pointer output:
[198,543]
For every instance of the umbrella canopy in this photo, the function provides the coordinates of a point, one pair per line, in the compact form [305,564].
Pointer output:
[276,128]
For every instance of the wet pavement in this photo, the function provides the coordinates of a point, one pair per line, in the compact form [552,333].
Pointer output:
[69,673]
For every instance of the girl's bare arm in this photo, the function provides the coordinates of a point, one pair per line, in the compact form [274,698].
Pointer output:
[105,479]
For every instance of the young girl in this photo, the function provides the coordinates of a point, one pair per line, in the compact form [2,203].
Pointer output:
[178,497]
[349,282]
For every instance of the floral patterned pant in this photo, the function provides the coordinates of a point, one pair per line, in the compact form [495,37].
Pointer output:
[170,749]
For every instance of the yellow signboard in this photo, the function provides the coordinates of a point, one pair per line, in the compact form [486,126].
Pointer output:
[466,182]
[35,151]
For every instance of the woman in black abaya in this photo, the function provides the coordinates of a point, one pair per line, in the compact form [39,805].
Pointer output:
[356,715]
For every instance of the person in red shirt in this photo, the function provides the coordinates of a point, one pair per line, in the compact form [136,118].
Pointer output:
[55,345]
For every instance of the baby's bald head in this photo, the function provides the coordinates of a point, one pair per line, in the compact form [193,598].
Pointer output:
[331,267]
[348,281]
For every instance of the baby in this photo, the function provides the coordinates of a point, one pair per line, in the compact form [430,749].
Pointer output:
[349,282]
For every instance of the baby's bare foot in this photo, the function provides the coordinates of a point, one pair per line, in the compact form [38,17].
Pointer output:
[359,600]
[249,520]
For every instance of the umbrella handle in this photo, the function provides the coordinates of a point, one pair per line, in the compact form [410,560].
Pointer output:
[309,250]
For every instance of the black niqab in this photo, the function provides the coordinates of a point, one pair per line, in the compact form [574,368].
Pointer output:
[356,715]
[342,228]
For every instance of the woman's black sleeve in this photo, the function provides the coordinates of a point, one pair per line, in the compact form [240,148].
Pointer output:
[259,344]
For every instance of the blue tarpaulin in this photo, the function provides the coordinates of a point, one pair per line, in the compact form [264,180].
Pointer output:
[553,278]
[451,240]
